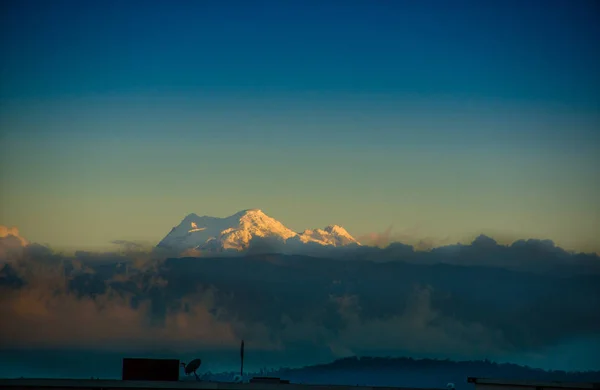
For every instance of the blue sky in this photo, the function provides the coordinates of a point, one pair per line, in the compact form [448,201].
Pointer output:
[445,119]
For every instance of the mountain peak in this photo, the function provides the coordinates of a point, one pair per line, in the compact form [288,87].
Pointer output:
[334,235]
[336,229]
[238,230]
[250,212]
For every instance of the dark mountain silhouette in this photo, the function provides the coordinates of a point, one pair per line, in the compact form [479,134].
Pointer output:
[409,372]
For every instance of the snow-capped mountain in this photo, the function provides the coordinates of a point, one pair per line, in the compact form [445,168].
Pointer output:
[332,235]
[238,231]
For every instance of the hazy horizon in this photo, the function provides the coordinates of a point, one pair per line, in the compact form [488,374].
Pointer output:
[414,236]
[448,120]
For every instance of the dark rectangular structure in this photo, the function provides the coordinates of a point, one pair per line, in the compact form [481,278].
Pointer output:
[166,370]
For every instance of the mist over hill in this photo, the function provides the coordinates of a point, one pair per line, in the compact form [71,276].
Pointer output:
[415,373]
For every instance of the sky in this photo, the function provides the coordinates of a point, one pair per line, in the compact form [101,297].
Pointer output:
[444,119]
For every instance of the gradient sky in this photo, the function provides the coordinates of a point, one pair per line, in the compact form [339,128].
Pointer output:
[118,118]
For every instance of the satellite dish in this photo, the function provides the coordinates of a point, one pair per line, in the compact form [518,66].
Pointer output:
[191,367]
[450,386]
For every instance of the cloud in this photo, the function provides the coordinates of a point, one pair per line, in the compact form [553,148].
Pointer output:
[421,242]
[409,236]
[6,231]
[420,329]
[129,245]
[46,314]
[417,328]
[258,245]
[11,243]
[419,305]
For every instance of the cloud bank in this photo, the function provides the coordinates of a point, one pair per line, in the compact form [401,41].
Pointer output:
[459,301]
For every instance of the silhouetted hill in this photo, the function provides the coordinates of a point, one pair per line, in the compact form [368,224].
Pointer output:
[408,372]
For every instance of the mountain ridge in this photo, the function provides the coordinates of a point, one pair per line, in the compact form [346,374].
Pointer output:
[247,228]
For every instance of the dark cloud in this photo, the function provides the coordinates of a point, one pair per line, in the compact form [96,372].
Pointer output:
[410,237]
[10,248]
[473,301]
[46,313]
[129,245]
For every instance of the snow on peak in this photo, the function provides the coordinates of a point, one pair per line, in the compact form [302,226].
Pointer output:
[331,235]
[250,211]
[337,230]
[195,228]
[238,230]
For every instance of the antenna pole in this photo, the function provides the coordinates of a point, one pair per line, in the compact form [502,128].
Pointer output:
[242,357]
